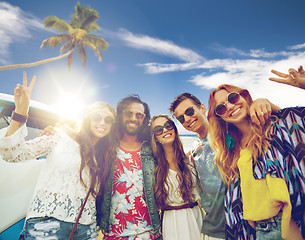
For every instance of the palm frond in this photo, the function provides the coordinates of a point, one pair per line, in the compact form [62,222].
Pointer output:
[89,24]
[91,27]
[97,41]
[67,46]
[94,48]
[78,34]
[56,23]
[70,61]
[55,40]
[81,52]
[85,18]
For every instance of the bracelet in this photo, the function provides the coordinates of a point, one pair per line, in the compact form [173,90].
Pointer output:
[18,117]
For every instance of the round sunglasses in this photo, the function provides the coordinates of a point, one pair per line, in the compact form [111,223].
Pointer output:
[129,114]
[221,108]
[158,130]
[188,112]
[98,117]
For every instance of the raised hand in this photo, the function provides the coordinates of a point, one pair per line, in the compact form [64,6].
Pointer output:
[294,78]
[22,95]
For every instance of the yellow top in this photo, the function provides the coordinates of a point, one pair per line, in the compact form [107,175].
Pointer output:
[264,198]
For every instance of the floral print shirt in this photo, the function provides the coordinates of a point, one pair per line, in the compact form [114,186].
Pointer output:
[129,217]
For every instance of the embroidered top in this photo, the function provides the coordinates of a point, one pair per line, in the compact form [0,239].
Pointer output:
[129,213]
[58,192]
[284,159]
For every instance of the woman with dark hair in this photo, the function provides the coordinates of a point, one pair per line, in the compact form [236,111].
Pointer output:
[75,165]
[263,166]
[176,183]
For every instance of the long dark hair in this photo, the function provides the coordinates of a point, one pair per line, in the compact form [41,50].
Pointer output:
[184,174]
[99,157]
[144,133]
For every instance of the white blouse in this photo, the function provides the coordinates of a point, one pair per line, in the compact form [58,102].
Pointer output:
[58,192]
[174,197]
[183,224]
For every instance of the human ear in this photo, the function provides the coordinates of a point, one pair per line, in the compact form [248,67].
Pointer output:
[202,108]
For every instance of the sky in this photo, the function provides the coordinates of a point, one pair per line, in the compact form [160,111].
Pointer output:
[158,49]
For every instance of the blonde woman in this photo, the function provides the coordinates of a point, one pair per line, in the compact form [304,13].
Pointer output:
[263,166]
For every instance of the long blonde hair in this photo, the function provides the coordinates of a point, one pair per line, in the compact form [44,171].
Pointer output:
[226,160]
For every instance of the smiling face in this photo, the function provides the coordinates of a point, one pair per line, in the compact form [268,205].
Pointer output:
[100,123]
[197,121]
[235,113]
[167,136]
[133,117]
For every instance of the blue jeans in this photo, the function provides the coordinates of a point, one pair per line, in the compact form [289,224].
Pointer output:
[52,228]
[269,229]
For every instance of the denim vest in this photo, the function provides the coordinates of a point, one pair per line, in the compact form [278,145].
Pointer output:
[103,204]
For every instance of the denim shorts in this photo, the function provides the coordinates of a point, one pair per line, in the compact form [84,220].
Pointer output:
[51,228]
[269,229]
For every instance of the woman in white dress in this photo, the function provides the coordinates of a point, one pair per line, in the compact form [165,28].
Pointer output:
[177,190]
[72,167]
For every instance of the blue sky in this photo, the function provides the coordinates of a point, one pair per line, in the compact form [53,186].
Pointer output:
[159,49]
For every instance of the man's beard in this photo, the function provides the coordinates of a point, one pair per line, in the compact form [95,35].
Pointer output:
[131,131]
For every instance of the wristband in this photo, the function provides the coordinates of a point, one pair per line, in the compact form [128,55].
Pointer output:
[19,118]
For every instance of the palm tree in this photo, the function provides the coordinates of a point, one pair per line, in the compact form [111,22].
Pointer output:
[75,36]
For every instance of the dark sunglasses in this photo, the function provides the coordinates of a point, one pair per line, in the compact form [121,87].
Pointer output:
[139,116]
[98,117]
[221,108]
[158,130]
[188,112]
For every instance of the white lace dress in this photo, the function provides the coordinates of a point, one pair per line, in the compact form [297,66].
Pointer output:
[183,224]
[58,192]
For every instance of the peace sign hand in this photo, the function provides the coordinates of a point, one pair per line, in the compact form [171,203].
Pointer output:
[22,95]
[294,78]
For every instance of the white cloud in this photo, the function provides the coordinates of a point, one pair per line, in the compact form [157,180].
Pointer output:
[254,53]
[154,68]
[14,26]
[295,47]
[248,69]
[159,46]
[254,75]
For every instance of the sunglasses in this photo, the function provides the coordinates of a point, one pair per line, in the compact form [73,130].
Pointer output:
[98,117]
[139,116]
[158,130]
[221,108]
[188,112]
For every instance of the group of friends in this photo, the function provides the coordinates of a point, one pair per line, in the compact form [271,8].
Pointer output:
[243,179]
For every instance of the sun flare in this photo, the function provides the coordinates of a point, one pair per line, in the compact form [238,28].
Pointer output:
[70,106]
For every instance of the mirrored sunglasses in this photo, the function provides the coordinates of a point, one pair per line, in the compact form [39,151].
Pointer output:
[221,108]
[158,130]
[188,112]
[98,118]
[139,116]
